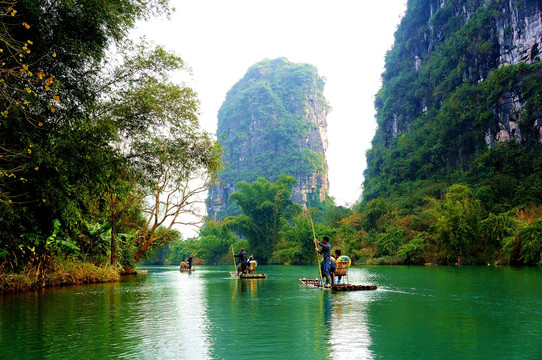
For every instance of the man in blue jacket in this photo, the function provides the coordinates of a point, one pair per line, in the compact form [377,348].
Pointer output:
[326,252]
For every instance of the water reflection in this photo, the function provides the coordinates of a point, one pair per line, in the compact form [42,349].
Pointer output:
[350,336]
[172,321]
[246,286]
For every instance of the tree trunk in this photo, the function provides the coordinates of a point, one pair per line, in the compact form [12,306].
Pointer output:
[141,250]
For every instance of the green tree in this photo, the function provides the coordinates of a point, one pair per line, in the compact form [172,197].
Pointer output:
[159,136]
[458,224]
[296,245]
[215,241]
[266,208]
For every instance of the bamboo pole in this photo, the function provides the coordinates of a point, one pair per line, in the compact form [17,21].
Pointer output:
[234,263]
[317,254]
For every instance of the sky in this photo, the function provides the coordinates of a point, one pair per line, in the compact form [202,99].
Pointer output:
[345,39]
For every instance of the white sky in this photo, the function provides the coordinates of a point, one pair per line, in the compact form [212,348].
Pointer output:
[345,39]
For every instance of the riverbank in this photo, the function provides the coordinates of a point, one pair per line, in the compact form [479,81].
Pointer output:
[58,273]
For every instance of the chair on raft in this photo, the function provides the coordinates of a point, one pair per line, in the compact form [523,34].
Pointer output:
[341,269]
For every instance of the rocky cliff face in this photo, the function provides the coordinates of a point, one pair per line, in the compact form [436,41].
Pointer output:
[518,36]
[511,34]
[462,76]
[273,121]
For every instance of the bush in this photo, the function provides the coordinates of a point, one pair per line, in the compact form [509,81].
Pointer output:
[413,251]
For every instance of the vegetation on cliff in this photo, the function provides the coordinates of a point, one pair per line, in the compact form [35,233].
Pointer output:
[435,121]
[264,129]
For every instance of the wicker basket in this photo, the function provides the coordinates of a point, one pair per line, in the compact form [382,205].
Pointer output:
[341,268]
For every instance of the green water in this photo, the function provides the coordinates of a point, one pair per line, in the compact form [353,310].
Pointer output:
[416,313]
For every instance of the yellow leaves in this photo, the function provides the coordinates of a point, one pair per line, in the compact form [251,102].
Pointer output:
[28,90]
[26,25]
[40,75]
[57,98]
[29,151]
[49,82]
[52,109]
[53,54]
[12,11]
[37,168]
[40,124]
[30,42]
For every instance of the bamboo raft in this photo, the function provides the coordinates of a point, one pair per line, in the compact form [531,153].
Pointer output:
[187,270]
[247,276]
[337,287]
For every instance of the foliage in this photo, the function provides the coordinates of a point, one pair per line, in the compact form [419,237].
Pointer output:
[457,224]
[413,251]
[215,243]
[267,208]
[91,126]
[296,245]
[524,246]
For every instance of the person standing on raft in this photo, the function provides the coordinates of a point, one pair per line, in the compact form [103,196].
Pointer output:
[190,259]
[242,261]
[326,263]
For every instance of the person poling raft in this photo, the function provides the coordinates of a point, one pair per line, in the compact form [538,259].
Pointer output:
[326,262]
[187,265]
[247,267]
[331,267]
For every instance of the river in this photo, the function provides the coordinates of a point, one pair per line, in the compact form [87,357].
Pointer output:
[434,312]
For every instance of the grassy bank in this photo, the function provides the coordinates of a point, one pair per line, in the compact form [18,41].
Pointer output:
[63,272]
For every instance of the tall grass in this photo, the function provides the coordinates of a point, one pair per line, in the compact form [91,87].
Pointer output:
[59,272]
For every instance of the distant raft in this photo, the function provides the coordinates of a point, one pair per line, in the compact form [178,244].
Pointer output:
[186,270]
[337,287]
[247,276]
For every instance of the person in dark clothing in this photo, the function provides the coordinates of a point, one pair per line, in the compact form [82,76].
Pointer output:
[326,263]
[242,261]
[190,259]
[338,254]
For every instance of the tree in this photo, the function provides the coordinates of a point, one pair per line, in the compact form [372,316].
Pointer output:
[171,160]
[458,224]
[296,244]
[22,90]
[266,208]
[215,241]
